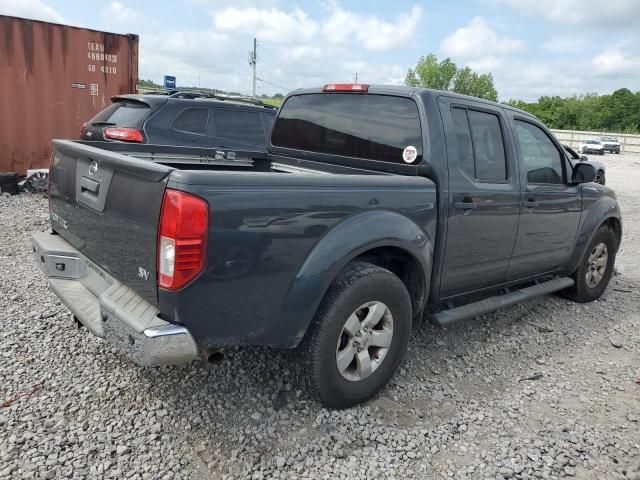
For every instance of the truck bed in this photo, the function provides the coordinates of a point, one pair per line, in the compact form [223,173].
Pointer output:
[267,217]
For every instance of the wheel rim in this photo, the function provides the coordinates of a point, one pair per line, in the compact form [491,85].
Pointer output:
[364,341]
[600,178]
[597,265]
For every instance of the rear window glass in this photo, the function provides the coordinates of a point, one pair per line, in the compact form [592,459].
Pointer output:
[192,120]
[374,127]
[239,125]
[124,114]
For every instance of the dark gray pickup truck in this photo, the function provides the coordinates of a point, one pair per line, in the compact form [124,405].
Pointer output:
[375,207]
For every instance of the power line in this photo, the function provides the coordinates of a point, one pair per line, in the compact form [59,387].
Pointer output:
[286,89]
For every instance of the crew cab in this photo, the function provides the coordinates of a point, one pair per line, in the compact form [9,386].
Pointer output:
[375,207]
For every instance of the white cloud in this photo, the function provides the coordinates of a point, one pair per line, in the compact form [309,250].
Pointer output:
[531,80]
[340,27]
[270,25]
[616,63]
[293,50]
[120,13]
[33,9]
[368,31]
[598,13]
[477,40]
[609,70]
[485,64]
[566,44]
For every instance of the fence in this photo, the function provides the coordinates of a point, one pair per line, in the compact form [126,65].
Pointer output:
[629,143]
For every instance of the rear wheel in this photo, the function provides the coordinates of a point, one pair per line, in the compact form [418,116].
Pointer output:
[595,269]
[358,338]
[600,177]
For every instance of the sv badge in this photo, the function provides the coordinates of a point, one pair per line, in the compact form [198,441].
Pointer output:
[142,273]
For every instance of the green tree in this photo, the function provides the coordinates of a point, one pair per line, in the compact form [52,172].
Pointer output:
[445,75]
[618,112]
[148,84]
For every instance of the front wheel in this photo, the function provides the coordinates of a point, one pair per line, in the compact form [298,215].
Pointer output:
[358,338]
[595,269]
[600,177]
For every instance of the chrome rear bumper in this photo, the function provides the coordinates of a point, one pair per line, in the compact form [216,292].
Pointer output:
[110,309]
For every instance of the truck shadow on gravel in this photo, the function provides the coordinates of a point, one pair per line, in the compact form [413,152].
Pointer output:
[479,358]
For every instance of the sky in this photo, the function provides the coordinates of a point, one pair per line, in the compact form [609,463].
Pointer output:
[531,47]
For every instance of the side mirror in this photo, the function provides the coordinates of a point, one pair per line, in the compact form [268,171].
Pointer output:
[583,173]
[583,158]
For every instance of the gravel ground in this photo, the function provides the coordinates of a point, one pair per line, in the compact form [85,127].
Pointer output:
[547,389]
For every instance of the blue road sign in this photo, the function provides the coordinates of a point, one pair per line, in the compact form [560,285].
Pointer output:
[169,82]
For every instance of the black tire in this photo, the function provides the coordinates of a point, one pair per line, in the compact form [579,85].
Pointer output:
[600,178]
[581,292]
[317,368]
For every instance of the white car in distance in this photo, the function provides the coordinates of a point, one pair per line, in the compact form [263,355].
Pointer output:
[591,146]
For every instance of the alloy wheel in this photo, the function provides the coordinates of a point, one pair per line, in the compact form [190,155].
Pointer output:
[364,341]
[597,265]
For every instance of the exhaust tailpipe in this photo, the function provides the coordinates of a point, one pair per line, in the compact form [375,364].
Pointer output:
[213,355]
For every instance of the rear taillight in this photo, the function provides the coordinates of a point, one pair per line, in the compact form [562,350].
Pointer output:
[346,87]
[182,239]
[123,134]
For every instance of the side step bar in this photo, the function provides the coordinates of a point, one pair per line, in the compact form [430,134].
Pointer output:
[447,317]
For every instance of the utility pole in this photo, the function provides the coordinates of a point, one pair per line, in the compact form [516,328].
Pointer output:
[356,78]
[252,61]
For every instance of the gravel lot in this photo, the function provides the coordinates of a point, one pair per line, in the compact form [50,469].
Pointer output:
[547,389]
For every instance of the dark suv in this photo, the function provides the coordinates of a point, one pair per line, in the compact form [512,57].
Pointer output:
[183,119]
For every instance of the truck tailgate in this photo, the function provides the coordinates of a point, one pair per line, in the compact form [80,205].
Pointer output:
[107,205]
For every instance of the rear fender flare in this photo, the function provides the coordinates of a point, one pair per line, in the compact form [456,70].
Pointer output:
[341,245]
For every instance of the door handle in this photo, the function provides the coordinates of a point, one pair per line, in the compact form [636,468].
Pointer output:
[467,204]
[530,203]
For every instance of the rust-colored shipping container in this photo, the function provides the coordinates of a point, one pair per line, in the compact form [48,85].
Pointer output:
[53,78]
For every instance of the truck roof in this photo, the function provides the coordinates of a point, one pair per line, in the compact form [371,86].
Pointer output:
[404,91]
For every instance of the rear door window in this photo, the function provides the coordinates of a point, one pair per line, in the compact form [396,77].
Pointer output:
[123,114]
[241,125]
[373,127]
[192,120]
[480,145]
[463,136]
